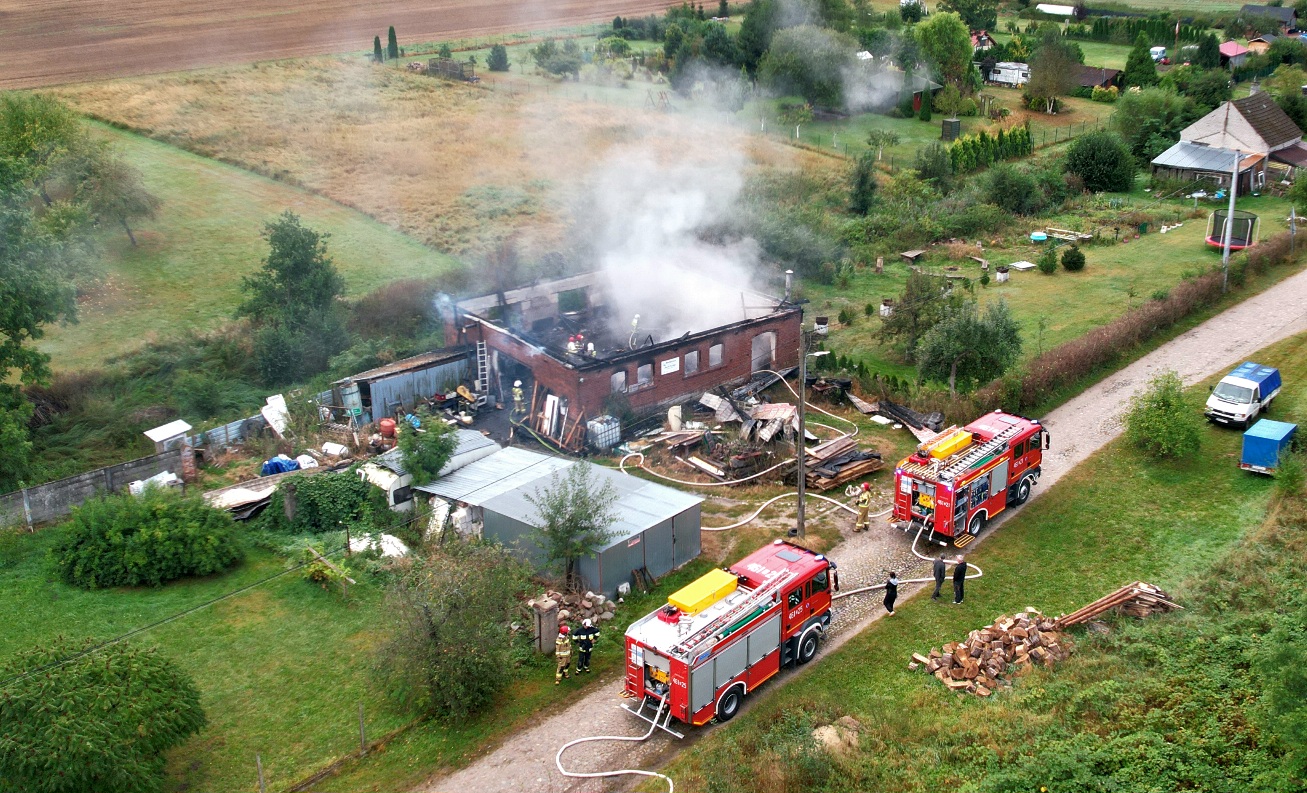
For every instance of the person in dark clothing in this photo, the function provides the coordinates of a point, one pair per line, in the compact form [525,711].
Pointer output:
[891,592]
[959,579]
[940,570]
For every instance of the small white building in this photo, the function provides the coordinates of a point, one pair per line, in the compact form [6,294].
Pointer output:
[1010,73]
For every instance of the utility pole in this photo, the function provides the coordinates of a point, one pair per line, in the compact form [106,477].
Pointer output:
[802,441]
[1229,226]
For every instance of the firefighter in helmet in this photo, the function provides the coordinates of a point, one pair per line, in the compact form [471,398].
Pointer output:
[562,654]
[519,399]
[586,636]
[864,506]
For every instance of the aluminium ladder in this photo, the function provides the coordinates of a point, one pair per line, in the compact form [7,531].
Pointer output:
[483,369]
[974,455]
[768,589]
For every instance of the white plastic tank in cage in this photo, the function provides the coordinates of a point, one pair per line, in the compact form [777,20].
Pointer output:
[604,432]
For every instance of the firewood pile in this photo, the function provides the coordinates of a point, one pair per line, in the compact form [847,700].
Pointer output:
[1138,600]
[838,461]
[991,655]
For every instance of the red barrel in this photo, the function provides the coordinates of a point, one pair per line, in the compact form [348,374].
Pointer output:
[387,428]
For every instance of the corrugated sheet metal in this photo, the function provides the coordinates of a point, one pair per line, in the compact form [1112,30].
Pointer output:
[405,387]
[506,470]
[472,446]
[1186,156]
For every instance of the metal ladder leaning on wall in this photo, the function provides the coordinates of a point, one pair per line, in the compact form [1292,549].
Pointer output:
[483,369]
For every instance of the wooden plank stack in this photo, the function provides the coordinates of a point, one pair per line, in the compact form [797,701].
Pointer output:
[1137,599]
[994,653]
[825,472]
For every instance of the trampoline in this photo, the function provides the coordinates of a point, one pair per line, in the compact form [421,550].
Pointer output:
[1243,229]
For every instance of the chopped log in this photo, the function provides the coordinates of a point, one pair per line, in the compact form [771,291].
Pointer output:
[919,658]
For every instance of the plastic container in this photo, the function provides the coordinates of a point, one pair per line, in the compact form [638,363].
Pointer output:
[604,432]
[1038,236]
[703,592]
[387,427]
[950,445]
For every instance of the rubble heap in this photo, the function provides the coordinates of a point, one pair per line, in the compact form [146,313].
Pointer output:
[574,607]
[991,655]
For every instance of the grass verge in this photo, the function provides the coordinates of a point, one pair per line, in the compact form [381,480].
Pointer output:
[1116,518]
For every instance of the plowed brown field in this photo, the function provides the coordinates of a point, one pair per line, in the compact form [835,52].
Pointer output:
[51,42]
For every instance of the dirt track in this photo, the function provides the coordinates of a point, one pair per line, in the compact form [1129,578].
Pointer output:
[67,41]
[525,761]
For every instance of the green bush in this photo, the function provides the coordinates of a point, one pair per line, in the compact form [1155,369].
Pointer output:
[425,451]
[322,502]
[1103,161]
[99,722]
[1073,259]
[1107,95]
[125,540]
[1161,422]
[1047,261]
[498,60]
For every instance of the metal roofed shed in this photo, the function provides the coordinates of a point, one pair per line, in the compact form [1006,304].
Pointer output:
[657,527]
[374,394]
[387,471]
[168,435]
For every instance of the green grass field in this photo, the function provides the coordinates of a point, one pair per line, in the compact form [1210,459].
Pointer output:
[186,272]
[1115,278]
[1115,519]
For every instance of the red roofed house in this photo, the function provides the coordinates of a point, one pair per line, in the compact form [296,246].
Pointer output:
[1233,54]
[981,41]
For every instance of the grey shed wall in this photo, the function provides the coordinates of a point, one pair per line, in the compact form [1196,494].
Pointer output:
[661,548]
[405,387]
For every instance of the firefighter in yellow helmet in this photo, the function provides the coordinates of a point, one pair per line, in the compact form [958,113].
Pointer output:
[864,506]
[562,654]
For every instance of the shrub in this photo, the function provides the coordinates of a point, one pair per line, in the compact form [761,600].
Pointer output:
[925,106]
[1289,477]
[1102,161]
[1047,262]
[1161,422]
[99,722]
[319,503]
[846,316]
[498,60]
[125,540]
[1108,94]
[425,451]
[449,651]
[1012,190]
[869,310]
[1073,259]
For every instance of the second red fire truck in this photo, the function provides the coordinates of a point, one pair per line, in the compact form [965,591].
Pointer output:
[725,634]
[960,479]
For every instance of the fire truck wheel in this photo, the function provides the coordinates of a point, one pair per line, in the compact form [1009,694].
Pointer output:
[977,523]
[1023,492]
[807,647]
[729,704]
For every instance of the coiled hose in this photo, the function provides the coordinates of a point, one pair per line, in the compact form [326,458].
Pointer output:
[653,725]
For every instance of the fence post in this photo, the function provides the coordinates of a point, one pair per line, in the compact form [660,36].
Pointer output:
[258,764]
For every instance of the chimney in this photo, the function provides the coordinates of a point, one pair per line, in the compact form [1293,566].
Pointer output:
[789,280]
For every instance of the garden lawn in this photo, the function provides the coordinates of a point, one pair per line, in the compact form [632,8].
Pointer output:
[1115,519]
[187,270]
[1116,277]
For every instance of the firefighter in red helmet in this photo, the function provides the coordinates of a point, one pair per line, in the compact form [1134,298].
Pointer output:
[562,654]
[864,506]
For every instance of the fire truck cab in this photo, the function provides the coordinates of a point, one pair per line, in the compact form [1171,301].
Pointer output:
[962,478]
[727,632]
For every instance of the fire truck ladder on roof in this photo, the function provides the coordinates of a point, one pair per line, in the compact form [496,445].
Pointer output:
[689,647]
[978,453]
[483,369]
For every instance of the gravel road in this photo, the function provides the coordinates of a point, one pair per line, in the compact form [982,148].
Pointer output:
[525,761]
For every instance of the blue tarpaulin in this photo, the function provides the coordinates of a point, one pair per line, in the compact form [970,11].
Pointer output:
[1264,443]
[279,465]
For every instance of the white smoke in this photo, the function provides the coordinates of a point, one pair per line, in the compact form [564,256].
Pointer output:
[650,219]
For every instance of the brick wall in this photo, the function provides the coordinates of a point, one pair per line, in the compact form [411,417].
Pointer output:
[668,382]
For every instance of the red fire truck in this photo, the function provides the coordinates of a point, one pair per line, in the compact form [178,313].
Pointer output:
[723,635]
[961,478]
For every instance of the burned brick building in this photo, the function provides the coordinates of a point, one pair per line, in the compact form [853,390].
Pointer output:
[575,348]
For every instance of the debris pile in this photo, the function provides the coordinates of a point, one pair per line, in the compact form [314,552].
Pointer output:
[991,655]
[837,462]
[574,606]
[1137,600]
[923,425]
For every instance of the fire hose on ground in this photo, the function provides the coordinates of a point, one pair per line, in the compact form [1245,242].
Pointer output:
[919,555]
[653,725]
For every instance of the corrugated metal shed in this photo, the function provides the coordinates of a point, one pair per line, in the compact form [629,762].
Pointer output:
[472,446]
[423,361]
[1186,156]
[483,480]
